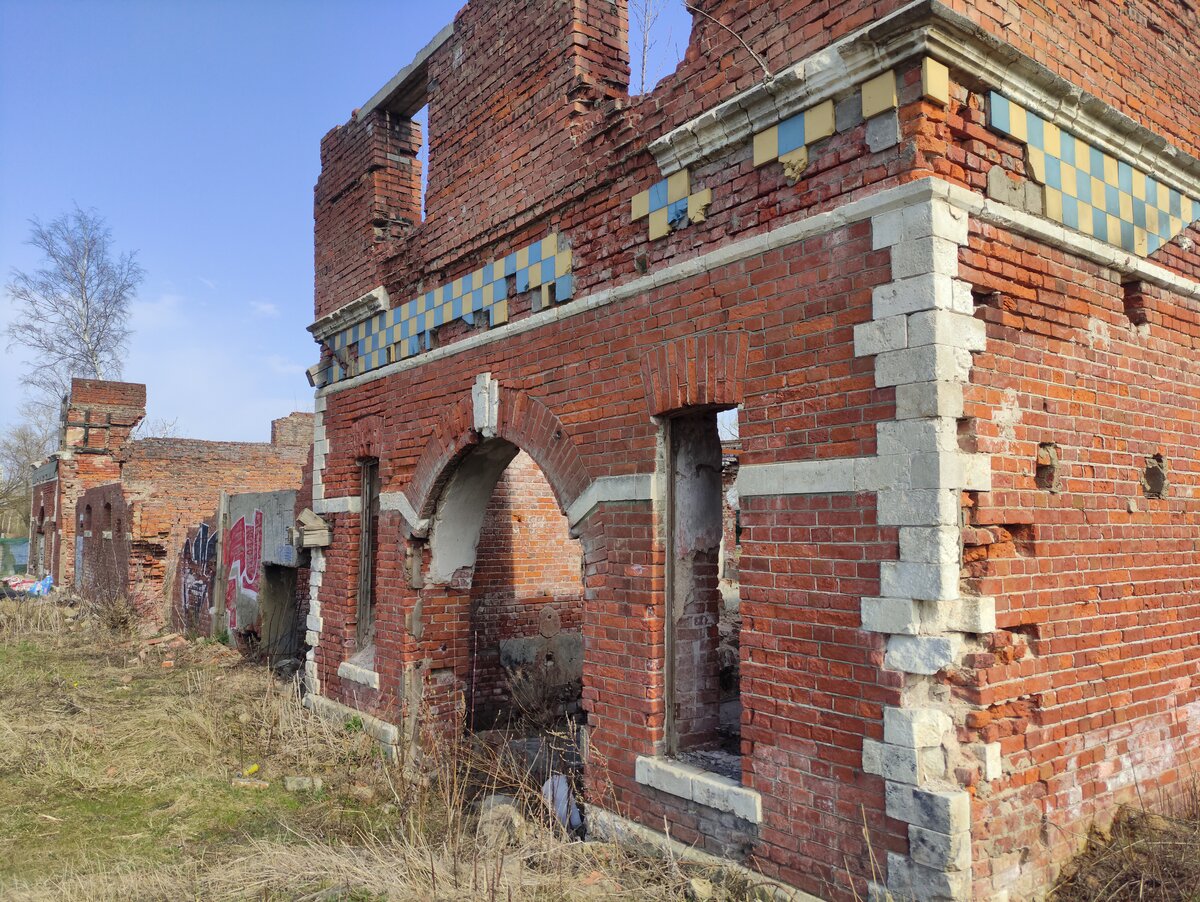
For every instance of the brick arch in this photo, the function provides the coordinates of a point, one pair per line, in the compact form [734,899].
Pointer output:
[523,421]
[366,437]
[453,436]
[696,371]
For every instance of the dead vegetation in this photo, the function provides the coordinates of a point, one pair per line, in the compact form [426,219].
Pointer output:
[138,770]
[1143,856]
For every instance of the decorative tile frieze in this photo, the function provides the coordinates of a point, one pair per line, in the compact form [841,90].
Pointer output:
[1090,190]
[671,204]
[405,330]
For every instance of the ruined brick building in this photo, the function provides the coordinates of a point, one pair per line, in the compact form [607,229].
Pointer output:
[110,511]
[940,260]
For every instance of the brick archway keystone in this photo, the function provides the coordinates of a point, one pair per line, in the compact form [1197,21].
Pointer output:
[696,371]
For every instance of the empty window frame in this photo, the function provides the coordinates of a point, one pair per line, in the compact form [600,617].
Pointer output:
[694,501]
[367,549]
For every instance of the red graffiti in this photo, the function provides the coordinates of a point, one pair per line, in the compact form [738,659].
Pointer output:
[244,542]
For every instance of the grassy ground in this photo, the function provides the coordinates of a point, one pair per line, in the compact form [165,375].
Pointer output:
[116,782]
[1144,856]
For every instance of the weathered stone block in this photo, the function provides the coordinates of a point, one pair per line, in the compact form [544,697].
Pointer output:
[922,654]
[915,727]
[890,615]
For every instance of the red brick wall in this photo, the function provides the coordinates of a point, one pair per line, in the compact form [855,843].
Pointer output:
[43,534]
[807,396]
[98,421]
[1090,684]
[1084,688]
[175,484]
[103,515]
[294,430]
[526,562]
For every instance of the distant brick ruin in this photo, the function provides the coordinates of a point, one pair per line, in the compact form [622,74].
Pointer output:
[110,511]
[941,261]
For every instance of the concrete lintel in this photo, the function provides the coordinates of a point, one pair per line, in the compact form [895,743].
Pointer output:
[360,675]
[635,487]
[402,84]
[806,477]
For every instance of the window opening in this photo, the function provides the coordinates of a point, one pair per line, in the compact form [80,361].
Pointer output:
[421,118]
[1154,477]
[368,539]
[659,31]
[703,624]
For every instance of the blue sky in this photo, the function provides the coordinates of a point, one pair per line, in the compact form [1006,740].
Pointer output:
[194,128]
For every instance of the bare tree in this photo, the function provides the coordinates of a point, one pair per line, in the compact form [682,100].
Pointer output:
[73,312]
[643,16]
[157,427]
[20,450]
[653,51]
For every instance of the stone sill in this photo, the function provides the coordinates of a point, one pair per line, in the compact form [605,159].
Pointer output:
[687,781]
[356,674]
[380,730]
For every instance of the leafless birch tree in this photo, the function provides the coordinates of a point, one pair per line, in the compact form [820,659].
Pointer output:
[72,314]
[21,449]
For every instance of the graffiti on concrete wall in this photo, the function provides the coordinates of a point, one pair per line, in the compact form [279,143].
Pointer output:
[199,567]
[244,554]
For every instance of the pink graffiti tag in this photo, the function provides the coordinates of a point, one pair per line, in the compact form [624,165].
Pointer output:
[244,542]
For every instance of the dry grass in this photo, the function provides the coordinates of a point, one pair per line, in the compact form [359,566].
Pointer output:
[1145,856]
[115,783]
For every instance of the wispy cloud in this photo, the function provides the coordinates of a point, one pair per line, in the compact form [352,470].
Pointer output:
[285,367]
[214,374]
[264,309]
[208,283]
[165,312]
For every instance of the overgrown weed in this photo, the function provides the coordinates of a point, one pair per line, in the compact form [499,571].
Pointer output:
[1144,855]
[117,776]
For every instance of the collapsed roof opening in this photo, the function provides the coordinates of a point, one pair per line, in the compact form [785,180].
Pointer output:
[659,31]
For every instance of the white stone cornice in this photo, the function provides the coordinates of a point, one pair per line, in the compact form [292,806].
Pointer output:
[926,28]
[374,301]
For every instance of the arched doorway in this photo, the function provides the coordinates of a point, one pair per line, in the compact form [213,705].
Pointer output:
[504,592]
[526,606]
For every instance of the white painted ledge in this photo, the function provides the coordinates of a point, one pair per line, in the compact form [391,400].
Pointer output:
[343,505]
[616,829]
[695,784]
[380,730]
[398,501]
[637,487]
[360,675]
